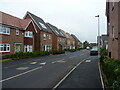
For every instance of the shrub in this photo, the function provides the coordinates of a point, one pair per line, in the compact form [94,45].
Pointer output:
[111,68]
[22,55]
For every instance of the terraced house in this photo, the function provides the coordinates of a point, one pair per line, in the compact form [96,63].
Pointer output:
[15,34]
[43,35]
[59,38]
[11,34]
[78,43]
[113,28]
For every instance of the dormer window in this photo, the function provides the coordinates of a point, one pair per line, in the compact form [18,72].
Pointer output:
[43,26]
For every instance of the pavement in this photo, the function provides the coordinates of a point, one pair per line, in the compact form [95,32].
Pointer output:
[76,69]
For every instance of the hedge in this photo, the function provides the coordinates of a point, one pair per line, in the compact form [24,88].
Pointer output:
[111,69]
[22,55]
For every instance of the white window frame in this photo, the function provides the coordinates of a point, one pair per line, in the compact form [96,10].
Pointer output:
[17,31]
[44,36]
[29,48]
[4,47]
[29,34]
[4,30]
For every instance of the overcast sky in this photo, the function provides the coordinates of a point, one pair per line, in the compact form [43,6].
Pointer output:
[74,16]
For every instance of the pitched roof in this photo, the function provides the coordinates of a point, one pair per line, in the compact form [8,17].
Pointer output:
[55,30]
[40,23]
[74,37]
[69,36]
[25,22]
[10,20]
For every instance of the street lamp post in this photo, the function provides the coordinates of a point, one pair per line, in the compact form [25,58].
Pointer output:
[98,34]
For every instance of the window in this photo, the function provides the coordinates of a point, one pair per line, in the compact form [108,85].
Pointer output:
[43,26]
[56,31]
[17,32]
[44,36]
[4,47]
[47,47]
[28,48]
[28,34]
[49,36]
[113,32]
[4,30]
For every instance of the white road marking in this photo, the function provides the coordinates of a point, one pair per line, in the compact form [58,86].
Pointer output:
[20,74]
[42,63]
[54,62]
[33,62]
[22,68]
[18,64]
[88,61]
[67,75]
[61,61]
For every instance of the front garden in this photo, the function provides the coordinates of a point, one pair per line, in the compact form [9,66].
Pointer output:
[110,71]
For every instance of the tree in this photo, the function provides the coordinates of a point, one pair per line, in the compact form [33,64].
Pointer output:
[86,44]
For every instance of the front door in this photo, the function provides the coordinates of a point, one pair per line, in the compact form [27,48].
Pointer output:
[17,47]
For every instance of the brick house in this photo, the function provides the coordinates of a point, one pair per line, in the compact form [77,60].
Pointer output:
[70,41]
[43,37]
[71,44]
[78,43]
[11,34]
[113,29]
[29,35]
[59,38]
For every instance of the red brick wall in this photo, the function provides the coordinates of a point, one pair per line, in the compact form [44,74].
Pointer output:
[13,38]
[54,42]
[47,41]
[27,40]
[113,42]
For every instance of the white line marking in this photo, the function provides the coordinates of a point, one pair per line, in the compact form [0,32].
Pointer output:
[43,63]
[54,62]
[22,68]
[59,61]
[101,76]
[67,75]
[88,61]
[20,74]
[33,62]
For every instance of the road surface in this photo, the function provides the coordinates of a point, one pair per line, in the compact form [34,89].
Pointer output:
[53,71]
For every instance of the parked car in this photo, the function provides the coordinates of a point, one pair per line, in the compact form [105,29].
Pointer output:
[94,51]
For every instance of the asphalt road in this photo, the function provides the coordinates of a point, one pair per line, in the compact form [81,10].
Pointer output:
[48,71]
